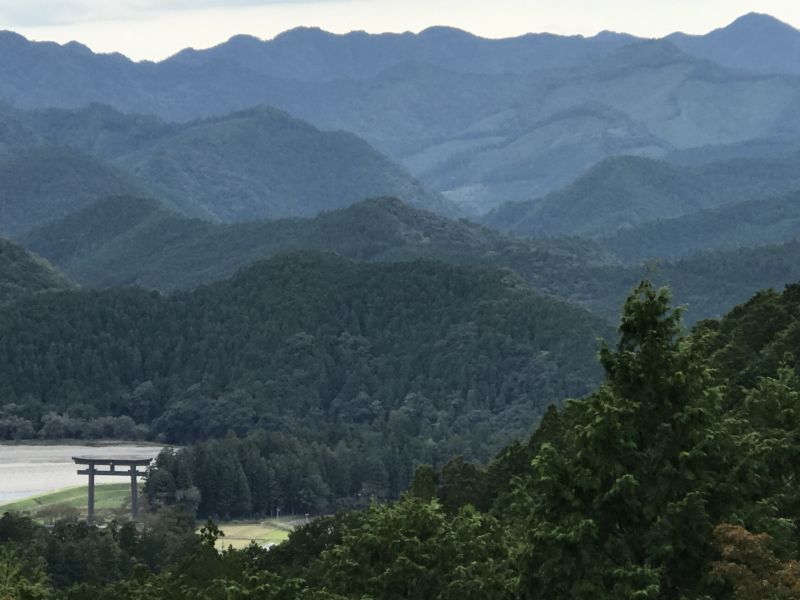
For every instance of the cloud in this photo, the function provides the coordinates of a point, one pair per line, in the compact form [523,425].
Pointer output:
[36,13]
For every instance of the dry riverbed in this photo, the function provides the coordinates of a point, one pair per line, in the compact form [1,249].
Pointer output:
[33,469]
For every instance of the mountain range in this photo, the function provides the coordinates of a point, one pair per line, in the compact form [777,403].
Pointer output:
[308,343]
[259,163]
[23,274]
[620,151]
[129,240]
[482,121]
[625,192]
[136,241]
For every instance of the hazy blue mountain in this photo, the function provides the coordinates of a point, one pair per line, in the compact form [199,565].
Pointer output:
[482,121]
[743,224]
[310,54]
[711,283]
[23,274]
[248,165]
[128,240]
[625,192]
[96,129]
[261,163]
[754,42]
[132,241]
[770,147]
[648,99]
[43,183]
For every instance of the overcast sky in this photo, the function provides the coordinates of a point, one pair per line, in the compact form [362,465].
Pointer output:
[154,29]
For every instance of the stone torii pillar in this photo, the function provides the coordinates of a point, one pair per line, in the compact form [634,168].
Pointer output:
[132,471]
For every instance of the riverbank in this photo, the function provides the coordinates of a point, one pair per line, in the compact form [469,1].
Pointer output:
[34,469]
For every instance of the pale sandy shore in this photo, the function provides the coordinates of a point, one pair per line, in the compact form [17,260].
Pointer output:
[30,470]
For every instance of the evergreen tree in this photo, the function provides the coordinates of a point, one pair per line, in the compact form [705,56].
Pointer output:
[623,506]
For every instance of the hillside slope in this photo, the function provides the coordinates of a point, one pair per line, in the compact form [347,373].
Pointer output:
[40,184]
[624,192]
[312,344]
[131,241]
[481,121]
[128,240]
[744,224]
[754,42]
[259,163]
[23,274]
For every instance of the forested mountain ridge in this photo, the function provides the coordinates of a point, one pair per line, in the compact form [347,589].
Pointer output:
[129,240]
[311,54]
[23,274]
[757,338]
[624,192]
[423,359]
[253,164]
[134,241]
[261,163]
[744,224]
[43,183]
[475,119]
[457,387]
[674,479]
[754,42]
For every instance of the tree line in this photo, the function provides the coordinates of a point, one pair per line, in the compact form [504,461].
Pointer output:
[676,478]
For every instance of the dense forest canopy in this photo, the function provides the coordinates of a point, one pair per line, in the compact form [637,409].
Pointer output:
[23,274]
[671,480]
[258,256]
[628,192]
[392,364]
[133,240]
[137,241]
[232,168]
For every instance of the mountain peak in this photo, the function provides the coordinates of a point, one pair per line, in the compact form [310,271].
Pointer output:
[758,23]
[754,42]
[304,35]
[646,53]
[445,32]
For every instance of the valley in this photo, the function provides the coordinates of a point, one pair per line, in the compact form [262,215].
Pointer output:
[28,470]
[403,315]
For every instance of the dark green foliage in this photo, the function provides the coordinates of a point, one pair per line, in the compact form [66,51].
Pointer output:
[136,241]
[128,240]
[369,369]
[23,274]
[423,485]
[412,550]
[462,484]
[44,183]
[741,225]
[72,552]
[236,168]
[642,466]
[709,284]
[623,192]
[620,495]
[755,339]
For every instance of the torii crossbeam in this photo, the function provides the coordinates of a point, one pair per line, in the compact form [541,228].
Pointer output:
[132,471]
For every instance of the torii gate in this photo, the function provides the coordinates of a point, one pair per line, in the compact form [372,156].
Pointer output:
[112,463]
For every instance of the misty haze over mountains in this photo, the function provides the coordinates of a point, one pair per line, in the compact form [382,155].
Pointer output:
[380,274]
[613,150]
[481,121]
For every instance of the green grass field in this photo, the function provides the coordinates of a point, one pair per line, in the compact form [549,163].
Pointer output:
[240,534]
[107,498]
[114,498]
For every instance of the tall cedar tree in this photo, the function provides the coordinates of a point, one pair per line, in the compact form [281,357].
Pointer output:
[623,506]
